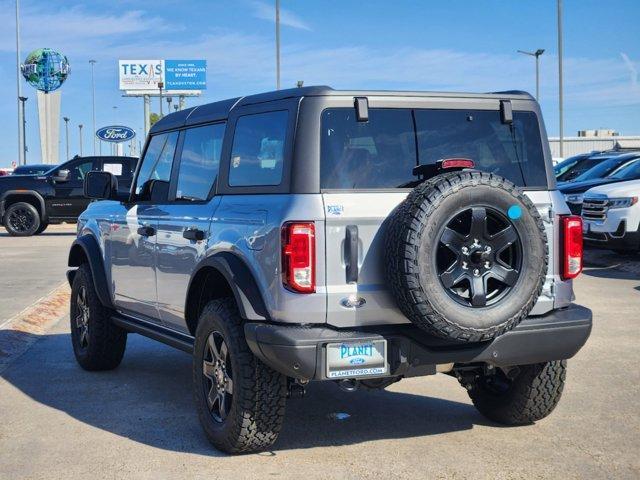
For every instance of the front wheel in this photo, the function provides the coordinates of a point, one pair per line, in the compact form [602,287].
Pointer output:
[531,395]
[240,400]
[98,344]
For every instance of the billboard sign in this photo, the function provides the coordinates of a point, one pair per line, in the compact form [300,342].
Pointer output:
[185,74]
[140,74]
[115,134]
[177,75]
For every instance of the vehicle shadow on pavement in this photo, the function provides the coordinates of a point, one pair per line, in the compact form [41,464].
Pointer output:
[148,399]
[612,272]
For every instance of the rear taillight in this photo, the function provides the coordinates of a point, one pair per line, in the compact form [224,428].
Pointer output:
[299,256]
[572,249]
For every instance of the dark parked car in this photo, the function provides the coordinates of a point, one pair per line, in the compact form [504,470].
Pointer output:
[574,191]
[36,169]
[573,167]
[28,203]
[604,168]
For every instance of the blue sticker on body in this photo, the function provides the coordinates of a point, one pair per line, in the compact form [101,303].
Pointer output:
[514,212]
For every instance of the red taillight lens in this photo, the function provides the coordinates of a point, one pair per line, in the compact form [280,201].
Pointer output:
[447,163]
[299,256]
[572,249]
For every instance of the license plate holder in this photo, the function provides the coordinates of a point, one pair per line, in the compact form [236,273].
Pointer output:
[356,359]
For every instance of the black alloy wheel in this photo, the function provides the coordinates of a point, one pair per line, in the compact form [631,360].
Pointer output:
[82,318]
[479,256]
[218,377]
[21,219]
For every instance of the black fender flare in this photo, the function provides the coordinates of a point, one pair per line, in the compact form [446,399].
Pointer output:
[87,247]
[241,281]
[33,193]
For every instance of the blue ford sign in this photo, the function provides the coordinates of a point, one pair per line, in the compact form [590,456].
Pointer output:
[115,134]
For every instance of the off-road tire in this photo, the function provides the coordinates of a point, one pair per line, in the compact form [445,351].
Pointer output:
[43,226]
[29,210]
[532,396]
[257,407]
[412,232]
[106,342]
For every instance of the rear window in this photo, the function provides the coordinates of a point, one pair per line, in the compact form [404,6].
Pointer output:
[382,152]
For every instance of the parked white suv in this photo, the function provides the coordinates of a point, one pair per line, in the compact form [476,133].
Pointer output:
[611,215]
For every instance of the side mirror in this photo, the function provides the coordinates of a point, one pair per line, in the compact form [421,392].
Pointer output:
[61,176]
[100,186]
[158,191]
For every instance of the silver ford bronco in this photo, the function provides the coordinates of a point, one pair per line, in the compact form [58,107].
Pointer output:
[360,237]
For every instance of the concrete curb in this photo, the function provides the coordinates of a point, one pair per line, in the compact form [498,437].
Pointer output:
[21,331]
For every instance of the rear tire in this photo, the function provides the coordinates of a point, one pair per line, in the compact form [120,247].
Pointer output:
[21,219]
[240,400]
[530,397]
[98,344]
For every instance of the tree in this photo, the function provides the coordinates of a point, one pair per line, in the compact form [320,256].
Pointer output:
[153,118]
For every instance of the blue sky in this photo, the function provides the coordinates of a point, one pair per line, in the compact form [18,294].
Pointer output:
[453,45]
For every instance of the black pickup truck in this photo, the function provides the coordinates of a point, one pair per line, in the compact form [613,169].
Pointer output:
[28,203]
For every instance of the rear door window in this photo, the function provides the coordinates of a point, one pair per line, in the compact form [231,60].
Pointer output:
[199,162]
[380,153]
[257,154]
[513,152]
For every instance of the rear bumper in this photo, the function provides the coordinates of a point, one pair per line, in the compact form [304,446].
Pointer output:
[298,351]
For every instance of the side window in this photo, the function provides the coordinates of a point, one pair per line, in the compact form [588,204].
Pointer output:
[258,149]
[157,162]
[199,162]
[78,171]
[120,168]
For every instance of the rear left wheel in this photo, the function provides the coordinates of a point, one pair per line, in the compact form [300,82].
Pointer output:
[240,400]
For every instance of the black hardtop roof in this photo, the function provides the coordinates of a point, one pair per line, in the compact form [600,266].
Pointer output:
[220,110]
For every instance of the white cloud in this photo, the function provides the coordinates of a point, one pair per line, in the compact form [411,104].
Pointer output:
[74,30]
[266,11]
[633,71]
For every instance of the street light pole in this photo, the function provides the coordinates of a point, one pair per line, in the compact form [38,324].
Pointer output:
[80,137]
[66,131]
[536,54]
[160,87]
[93,104]
[23,101]
[21,143]
[560,92]
[277,44]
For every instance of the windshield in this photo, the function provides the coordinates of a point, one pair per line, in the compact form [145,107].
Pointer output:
[581,166]
[565,165]
[628,172]
[601,170]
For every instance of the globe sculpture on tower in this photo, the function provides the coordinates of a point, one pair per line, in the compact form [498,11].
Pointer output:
[46,70]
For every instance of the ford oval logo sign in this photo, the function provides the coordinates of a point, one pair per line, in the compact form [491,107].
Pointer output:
[115,133]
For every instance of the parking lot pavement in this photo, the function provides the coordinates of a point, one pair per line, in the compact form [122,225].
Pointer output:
[139,421]
[32,267]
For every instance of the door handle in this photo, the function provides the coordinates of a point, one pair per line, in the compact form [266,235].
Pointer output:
[146,231]
[351,253]
[193,234]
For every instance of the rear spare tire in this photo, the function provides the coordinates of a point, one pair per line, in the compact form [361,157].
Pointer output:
[466,256]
